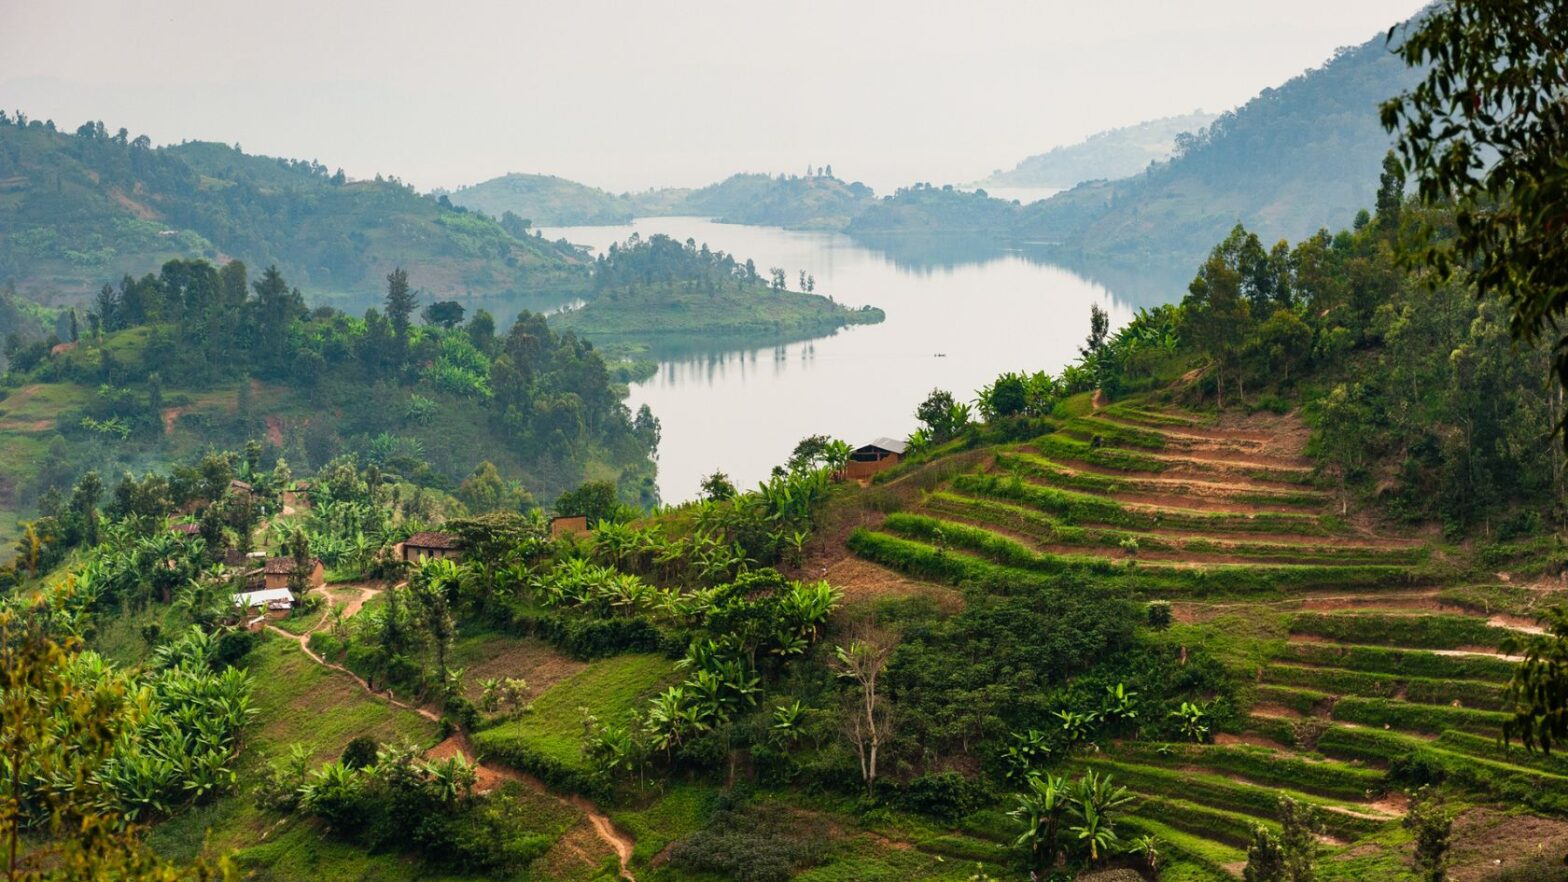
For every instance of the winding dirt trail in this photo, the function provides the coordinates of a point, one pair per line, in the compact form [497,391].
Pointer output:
[490,774]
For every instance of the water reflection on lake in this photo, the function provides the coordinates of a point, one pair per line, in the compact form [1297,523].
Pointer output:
[952,322]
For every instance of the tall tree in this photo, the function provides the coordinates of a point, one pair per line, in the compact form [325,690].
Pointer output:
[401,302]
[1487,128]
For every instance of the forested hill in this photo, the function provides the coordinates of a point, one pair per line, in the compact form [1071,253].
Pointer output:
[78,208]
[1293,160]
[1108,155]
[544,200]
[817,201]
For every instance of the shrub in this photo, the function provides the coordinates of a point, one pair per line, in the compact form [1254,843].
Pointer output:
[945,795]
[1159,613]
[233,646]
[360,752]
[753,844]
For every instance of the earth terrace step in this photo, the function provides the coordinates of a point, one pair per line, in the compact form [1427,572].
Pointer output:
[1179,428]
[1086,508]
[1281,549]
[1468,694]
[1222,862]
[1008,553]
[1323,778]
[1217,495]
[1237,794]
[1400,662]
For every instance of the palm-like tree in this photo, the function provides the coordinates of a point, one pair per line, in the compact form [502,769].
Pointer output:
[1095,800]
[1042,807]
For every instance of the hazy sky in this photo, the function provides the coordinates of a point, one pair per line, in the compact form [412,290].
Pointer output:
[629,95]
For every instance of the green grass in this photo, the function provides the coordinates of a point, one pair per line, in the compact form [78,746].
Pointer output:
[673,814]
[548,740]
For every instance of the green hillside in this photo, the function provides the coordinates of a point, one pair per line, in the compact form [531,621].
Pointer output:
[1174,596]
[1108,155]
[76,209]
[544,200]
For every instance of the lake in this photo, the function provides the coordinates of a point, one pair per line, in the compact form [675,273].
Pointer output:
[954,321]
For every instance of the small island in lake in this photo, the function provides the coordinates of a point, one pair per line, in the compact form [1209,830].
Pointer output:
[661,290]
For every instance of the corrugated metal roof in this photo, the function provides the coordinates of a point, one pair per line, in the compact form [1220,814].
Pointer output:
[262,597]
[891,445]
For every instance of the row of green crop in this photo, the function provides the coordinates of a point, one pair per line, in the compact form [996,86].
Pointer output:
[1265,766]
[1489,747]
[1303,701]
[1065,447]
[1078,508]
[1109,434]
[1104,457]
[1224,793]
[1048,529]
[1230,828]
[922,561]
[1418,631]
[1133,413]
[1429,718]
[1421,690]
[1225,578]
[1410,663]
[1415,762]
[1210,857]
[1056,475]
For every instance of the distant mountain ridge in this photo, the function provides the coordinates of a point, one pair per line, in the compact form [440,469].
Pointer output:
[1293,160]
[1108,155]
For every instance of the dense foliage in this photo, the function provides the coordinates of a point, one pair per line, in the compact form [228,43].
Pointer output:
[404,396]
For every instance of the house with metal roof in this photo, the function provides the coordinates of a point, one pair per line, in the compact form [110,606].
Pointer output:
[868,459]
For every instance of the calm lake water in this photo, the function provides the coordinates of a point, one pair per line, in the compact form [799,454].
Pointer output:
[954,321]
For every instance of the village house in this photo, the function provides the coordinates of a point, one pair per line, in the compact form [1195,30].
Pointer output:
[868,459]
[186,530]
[276,571]
[430,545]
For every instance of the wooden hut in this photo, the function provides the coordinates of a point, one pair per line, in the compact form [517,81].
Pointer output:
[868,459]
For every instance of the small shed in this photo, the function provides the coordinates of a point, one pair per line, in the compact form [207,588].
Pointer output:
[186,530]
[431,545]
[276,571]
[868,459]
[568,525]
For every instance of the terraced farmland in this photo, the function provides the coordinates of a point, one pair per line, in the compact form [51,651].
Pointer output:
[1353,662]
